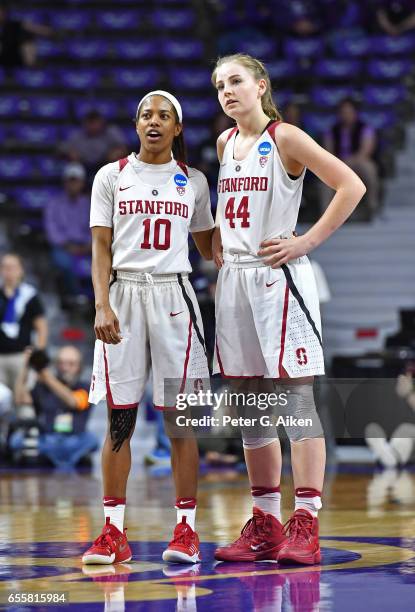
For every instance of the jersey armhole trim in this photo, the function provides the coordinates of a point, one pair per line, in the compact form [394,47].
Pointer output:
[271,131]
[122,163]
[231,133]
[183,166]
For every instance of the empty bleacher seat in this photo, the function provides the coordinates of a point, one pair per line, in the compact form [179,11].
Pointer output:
[330,96]
[351,47]
[379,119]
[79,78]
[52,107]
[282,97]
[9,105]
[70,20]
[35,133]
[199,108]
[108,108]
[393,45]
[30,77]
[34,197]
[145,76]
[87,48]
[390,68]
[189,77]
[49,167]
[118,20]
[137,49]
[316,123]
[16,167]
[283,68]
[384,95]
[334,68]
[47,48]
[182,49]
[303,47]
[196,135]
[173,19]
[261,47]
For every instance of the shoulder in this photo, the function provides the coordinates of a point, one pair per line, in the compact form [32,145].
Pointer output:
[108,174]
[289,138]
[197,179]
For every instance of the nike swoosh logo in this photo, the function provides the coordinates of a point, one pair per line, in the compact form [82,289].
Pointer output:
[270,284]
[174,314]
[122,547]
[124,188]
[257,546]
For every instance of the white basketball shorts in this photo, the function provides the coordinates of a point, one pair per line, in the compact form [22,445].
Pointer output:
[161,328]
[267,321]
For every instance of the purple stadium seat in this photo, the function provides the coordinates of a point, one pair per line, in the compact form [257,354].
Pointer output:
[315,123]
[379,119]
[303,47]
[390,45]
[351,47]
[118,20]
[2,75]
[262,47]
[330,96]
[145,76]
[137,49]
[29,77]
[16,167]
[189,78]
[195,135]
[108,108]
[282,97]
[50,167]
[338,68]
[9,105]
[384,95]
[34,197]
[281,69]
[389,68]
[35,133]
[49,48]
[182,49]
[87,48]
[130,135]
[173,19]
[199,108]
[51,107]
[4,133]
[24,14]
[80,78]
[70,20]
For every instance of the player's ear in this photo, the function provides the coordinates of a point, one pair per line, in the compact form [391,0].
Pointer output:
[262,87]
[178,129]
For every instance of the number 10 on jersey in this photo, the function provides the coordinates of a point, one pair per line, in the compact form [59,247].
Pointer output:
[242,212]
[161,234]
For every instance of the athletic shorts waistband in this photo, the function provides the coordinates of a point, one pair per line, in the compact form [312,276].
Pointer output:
[147,278]
[238,260]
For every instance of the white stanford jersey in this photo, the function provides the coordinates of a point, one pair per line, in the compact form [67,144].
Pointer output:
[150,222]
[257,199]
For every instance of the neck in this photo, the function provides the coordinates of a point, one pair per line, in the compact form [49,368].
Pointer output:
[148,157]
[11,287]
[253,123]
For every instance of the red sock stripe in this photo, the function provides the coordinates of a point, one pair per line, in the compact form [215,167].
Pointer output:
[113,501]
[258,491]
[307,492]
[185,503]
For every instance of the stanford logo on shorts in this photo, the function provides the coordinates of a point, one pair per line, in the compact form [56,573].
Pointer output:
[301,356]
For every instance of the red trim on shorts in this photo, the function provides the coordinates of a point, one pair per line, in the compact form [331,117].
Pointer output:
[231,133]
[222,373]
[107,383]
[186,360]
[271,129]
[282,373]
[164,407]
[122,163]
[183,166]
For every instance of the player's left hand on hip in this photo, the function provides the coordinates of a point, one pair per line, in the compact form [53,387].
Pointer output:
[279,251]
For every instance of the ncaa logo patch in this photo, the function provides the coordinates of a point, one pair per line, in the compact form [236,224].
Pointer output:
[181,182]
[264,149]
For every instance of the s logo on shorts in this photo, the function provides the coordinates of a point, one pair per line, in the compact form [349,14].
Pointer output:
[181,182]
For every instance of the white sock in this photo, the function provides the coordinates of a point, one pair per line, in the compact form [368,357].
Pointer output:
[114,508]
[186,506]
[308,499]
[268,500]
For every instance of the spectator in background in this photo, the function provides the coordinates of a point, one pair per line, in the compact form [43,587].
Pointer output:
[21,313]
[95,142]
[354,142]
[60,400]
[66,222]
[396,16]
[17,39]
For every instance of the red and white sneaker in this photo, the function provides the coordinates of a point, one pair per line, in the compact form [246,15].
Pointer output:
[111,546]
[261,540]
[302,545]
[184,547]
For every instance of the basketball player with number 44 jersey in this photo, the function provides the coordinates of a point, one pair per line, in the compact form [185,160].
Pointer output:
[267,313]
[142,210]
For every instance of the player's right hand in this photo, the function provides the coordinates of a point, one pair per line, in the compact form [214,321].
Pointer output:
[107,326]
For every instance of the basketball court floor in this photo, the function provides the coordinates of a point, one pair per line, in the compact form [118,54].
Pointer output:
[48,518]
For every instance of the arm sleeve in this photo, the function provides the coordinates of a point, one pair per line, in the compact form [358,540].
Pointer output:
[35,307]
[102,198]
[202,217]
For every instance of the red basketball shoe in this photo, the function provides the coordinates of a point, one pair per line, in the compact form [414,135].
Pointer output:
[260,540]
[109,547]
[184,547]
[302,545]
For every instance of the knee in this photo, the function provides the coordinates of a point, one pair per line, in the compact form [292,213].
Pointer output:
[122,424]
